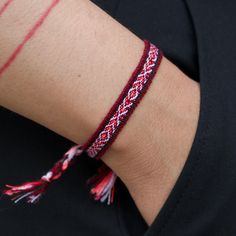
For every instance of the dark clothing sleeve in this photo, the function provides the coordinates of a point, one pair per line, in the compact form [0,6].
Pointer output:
[199,37]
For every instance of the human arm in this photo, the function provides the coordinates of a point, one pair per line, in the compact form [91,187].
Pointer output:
[74,62]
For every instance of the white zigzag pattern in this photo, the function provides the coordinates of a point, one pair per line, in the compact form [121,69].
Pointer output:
[132,95]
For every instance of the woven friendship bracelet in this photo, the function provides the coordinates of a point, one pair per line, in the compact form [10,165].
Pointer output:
[103,183]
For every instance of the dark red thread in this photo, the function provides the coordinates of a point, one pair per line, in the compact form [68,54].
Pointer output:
[5,6]
[121,96]
[112,139]
[31,33]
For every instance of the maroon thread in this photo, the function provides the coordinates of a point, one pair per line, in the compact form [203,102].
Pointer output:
[112,139]
[120,98]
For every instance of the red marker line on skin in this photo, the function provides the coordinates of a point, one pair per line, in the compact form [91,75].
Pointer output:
[5,6]
[30,34]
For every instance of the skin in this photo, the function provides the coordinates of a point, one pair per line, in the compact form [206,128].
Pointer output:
[71,72]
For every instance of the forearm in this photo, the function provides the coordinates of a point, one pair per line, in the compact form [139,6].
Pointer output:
[76,64]
[70,74]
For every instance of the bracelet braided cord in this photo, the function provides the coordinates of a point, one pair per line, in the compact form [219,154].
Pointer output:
[103,184]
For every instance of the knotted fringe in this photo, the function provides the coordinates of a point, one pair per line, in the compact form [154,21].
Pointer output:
[102,188]
[32,191]
[103,185]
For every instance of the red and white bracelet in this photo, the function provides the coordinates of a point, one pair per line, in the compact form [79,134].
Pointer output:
[103,184]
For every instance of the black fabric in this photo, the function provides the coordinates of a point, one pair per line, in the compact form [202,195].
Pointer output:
[199,37]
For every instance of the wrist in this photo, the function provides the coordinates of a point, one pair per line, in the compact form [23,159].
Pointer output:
[153,147]
[142,131]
